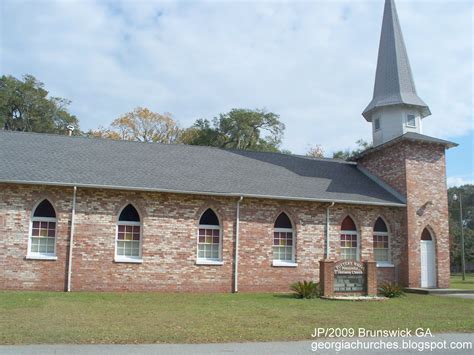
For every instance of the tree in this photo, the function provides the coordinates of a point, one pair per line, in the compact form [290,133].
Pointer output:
[141,125]
[102,132]
[349,154]
[315,152]
[467,192]
[238,129]
[201,133]
[25,106]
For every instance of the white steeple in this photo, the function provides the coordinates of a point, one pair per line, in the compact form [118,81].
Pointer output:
[395,108]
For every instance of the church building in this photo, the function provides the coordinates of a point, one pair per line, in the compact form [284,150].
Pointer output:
[85,214]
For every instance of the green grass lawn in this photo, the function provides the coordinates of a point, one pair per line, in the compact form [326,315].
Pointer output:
[467,284]
[49,317]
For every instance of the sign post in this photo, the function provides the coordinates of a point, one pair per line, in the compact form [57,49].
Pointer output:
[347,278]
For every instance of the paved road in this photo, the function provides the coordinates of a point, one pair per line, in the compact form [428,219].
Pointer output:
[298,347]
[469,296]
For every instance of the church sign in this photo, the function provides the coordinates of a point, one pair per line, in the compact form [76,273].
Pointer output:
[350,276]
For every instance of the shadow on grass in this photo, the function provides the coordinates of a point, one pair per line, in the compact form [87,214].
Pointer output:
[285,295]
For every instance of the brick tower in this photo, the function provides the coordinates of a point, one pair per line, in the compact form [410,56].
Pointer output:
[411,163]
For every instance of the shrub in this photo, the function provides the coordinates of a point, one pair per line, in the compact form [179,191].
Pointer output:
[305,289]
[391,290]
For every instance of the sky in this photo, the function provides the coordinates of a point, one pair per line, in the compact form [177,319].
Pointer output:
[311,62]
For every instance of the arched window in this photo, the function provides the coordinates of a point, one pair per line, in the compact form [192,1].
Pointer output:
[426,235]
[128,241]
[43,232]
[209,238]
[349,240]
[381,242]
[283,240]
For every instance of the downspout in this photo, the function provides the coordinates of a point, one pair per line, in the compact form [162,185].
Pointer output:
[327,229]
[71,240]
[236,255]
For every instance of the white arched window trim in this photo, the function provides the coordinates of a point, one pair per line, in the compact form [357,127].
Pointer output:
[357,249]
[209,260]
[38,254]
[209,228]
[388,262]
[286,263]
[128,259]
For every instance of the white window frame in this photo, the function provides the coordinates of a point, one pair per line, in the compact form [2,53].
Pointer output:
[39,255]
[377,119]
[128,259]
[284,263]
[351,232]
[387,263]
[209,261]
[408,121]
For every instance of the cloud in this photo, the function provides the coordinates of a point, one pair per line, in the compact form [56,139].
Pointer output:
[454,181]
[311,62]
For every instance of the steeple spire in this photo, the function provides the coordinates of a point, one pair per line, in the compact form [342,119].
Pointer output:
[394,83]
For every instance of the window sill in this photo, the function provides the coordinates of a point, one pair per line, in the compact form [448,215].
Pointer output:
[41,257]
[128,260]
[385,265]
[209,262]
[284,263]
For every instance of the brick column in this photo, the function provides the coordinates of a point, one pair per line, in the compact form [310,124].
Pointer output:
[326,277]
[371,269]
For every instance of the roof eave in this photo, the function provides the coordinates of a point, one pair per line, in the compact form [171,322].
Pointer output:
[405,136]
[367,113]
[208,193]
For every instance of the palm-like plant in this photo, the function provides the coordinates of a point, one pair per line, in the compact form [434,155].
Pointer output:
[305,289]
[391,290]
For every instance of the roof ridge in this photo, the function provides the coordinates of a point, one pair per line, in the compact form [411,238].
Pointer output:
[120,141]
[394,23]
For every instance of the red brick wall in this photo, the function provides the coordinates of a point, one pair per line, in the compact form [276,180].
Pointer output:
[169,241]
[418,171]
[389,164]
[16,203]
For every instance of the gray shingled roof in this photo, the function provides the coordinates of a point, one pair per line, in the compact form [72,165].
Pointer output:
[87,162]
[394,84]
